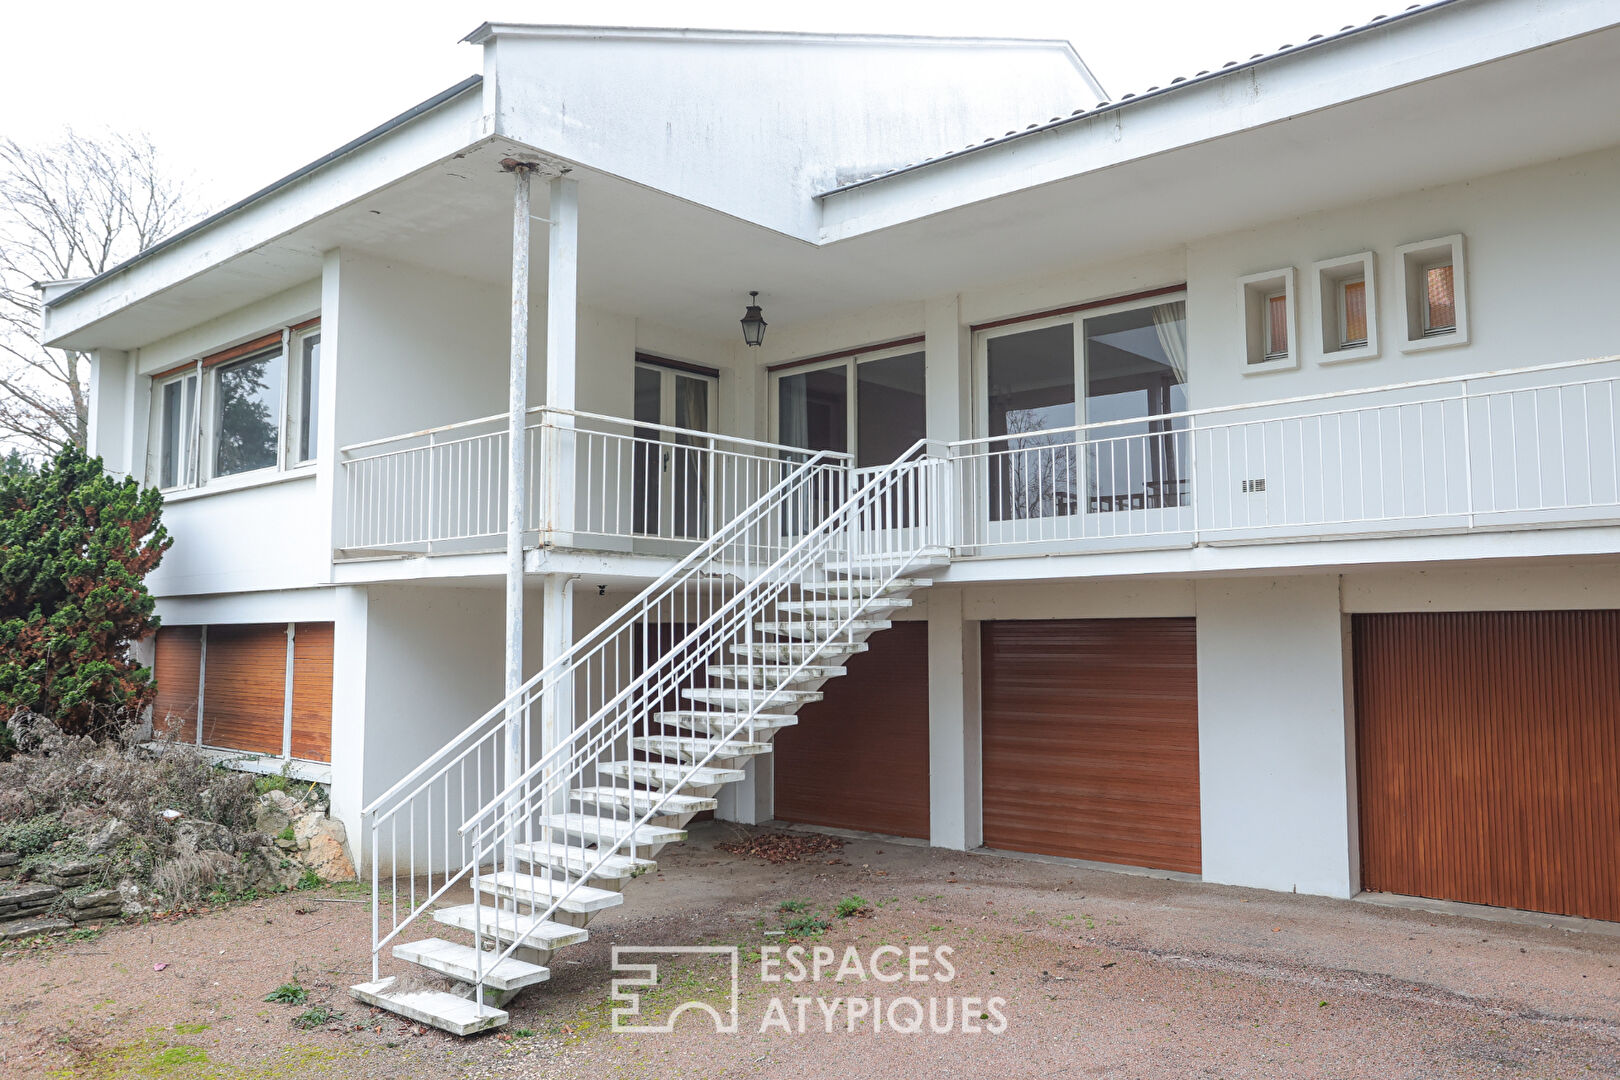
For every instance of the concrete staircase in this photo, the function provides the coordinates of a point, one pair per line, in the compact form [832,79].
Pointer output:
[795,648]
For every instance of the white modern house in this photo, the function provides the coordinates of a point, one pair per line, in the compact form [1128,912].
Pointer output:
[1223,479]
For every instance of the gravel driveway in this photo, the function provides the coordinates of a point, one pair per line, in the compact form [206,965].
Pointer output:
[1097,974]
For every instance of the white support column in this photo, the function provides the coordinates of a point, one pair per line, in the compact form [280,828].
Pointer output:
[1276,736]
[556,638]
[108,426]
[350,656]
[947,366]
[562,354]
[955,746]
[517,416]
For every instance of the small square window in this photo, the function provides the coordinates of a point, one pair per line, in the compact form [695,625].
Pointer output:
[1347,307]
[1268,315]
[1277,326]
[1353,314]
[1435,293]
[1439,299]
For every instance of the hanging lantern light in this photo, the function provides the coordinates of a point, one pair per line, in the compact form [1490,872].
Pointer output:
[753,323]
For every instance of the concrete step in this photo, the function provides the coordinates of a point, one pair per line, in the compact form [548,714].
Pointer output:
[610,830]
[639,801]
[820,629]
[724,723]
[864,566]
[687,748]
[791,652]
[537,892]
[749,696]
[545,935]
[460,962]
[663,775]
[571,859]
[447,1012]
[840,607]
[841,586]
[773,674]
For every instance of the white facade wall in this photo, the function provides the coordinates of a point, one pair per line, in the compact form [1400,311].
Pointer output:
[755,125]
[1541,278]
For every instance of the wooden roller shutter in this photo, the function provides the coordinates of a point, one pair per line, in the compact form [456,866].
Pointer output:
[177,666]
[245,688]
[1488,757]
[858,759]
[1091,740]
[312,692]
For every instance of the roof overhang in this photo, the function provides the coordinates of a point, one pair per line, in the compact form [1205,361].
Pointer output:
[431,131]
[1459,88]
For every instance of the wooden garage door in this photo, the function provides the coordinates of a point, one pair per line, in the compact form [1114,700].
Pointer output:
[1488,757]
[177,666]
[1091,740]
[858,759]
[312,692]
[245,687]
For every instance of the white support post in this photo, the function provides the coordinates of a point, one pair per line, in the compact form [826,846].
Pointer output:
[562,332]
[556,638]
[517,415]
[955,753]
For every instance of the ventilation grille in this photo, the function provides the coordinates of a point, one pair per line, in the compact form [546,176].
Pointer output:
[1254,485]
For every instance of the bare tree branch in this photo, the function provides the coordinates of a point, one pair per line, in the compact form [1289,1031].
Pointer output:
[74,208]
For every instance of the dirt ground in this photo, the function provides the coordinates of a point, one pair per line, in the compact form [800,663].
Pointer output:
[1099,975]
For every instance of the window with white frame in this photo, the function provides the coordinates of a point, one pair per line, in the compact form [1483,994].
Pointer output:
[249,409]
[1435,293]
[1347,305]
[1270,340]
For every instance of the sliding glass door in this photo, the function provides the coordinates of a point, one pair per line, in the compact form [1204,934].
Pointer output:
[1077,413]
[671,481]
[870,406]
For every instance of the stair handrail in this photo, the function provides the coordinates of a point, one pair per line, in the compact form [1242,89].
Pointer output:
[513,808]
[487,734]
[698,554]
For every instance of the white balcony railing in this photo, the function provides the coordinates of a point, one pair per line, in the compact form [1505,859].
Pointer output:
[591,481]
[1527,447]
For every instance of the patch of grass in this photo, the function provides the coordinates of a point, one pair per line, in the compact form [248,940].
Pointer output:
[850,906]
[83,933]
[263,785]
[522,1033]
[793,905]
[190,1029]
[286,834]
[288,994]
[309,880]
[806,924]
[316,1016]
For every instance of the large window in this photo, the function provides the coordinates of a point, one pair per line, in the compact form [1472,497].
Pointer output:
[875,397]
[252,408]
[1071,406]
[245,395]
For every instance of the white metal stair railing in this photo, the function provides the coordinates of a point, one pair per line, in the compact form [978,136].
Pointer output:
[414,826]
[599,798]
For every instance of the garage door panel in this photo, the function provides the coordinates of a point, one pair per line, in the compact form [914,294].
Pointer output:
[1091,740]
[1489,757]
[858,759]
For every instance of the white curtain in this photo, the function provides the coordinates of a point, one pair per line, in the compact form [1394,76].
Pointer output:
[794,402]
[1170,322]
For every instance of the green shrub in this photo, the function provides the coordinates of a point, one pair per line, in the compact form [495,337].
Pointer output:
[75,548]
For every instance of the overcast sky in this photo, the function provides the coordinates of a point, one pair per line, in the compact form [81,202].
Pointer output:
[237,95]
